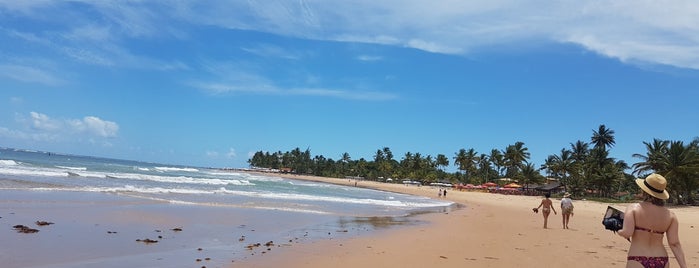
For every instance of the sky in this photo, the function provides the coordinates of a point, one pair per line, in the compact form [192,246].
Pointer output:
[209,83]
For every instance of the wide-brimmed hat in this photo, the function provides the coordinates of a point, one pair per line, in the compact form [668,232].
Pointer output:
[566,195]
[654,185]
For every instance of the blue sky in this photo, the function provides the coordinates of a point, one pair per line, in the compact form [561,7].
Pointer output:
[207,83]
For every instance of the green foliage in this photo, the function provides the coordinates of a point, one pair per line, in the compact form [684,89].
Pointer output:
[584,171]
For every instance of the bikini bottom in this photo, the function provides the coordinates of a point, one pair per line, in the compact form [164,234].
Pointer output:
[650,262]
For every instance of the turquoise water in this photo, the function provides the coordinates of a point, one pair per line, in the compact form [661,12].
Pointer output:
[268,208]
[42,171]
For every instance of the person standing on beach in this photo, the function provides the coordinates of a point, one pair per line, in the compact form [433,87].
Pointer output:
[647,222]
[547,205]
[445,193]
[566,209]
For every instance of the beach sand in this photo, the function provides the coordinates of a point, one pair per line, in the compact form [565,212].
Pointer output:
[489,230]
[492,230]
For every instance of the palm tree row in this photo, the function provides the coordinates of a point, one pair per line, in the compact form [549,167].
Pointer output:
[583,168]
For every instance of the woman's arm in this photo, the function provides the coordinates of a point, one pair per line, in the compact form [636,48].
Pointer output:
[629,222]
[673,239]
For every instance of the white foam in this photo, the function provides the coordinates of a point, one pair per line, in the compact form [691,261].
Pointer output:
[72,168]
[170,169]
[8,163]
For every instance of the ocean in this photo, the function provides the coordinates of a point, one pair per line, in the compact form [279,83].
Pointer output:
[197,186]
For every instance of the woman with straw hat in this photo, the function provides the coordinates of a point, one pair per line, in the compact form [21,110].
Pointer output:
[646,223]
[566,209]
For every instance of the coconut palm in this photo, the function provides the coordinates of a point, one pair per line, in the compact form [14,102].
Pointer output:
[496,157]
[442,161]
[515,157]
[466,161]
[680,166]
[579,150]
[652,159]
[603,137]
[530,174]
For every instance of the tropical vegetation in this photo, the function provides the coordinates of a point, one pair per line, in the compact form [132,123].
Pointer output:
[583,168]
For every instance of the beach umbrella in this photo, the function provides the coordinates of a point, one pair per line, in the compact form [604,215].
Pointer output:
[513,185]
[490,184]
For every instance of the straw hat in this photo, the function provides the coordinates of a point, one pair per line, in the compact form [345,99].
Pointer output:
[654,185]
[566,195]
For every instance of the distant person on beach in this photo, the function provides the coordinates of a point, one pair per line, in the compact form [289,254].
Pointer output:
[646,223]
[440,193]
[445,193]
[566,209]
[547,205]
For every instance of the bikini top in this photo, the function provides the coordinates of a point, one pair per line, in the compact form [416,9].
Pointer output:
[648,230]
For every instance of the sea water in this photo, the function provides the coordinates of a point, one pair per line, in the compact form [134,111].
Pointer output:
[267,208]
[44,171]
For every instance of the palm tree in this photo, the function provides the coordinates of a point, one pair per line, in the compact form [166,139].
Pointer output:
[496,157]
[530,174]
[466,161]
[579,150]
[484,169]
[651,160]
[680,166]
[345,160]
[603,137]
[516,157]
[442,161]
[561,165]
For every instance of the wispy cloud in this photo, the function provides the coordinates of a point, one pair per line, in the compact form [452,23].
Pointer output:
[632,31]
[229,78]
[268,50]
[29,74]
[215,154]
[369,58]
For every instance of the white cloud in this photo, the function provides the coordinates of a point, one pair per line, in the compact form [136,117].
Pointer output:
[629,30]
[44,127]
[230,78]
[369,58]
[231,153]
[95,126]
[268,50]
[647,31]
[43,122]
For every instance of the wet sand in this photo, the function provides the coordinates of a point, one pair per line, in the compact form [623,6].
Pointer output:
[80,229]
[493,230]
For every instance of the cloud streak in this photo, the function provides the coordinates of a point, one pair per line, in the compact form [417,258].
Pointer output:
[631,31]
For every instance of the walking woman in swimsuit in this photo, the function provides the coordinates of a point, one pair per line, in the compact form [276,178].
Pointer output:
[548,206]
[647,222]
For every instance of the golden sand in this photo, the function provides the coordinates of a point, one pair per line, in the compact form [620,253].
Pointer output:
[493,230]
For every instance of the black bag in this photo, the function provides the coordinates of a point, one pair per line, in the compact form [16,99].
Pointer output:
[613,219]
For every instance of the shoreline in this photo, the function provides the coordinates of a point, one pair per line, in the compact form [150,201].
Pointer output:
[486,230]
[491,230]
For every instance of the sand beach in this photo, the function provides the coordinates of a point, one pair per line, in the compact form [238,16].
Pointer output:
[488,230]
[492,230]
